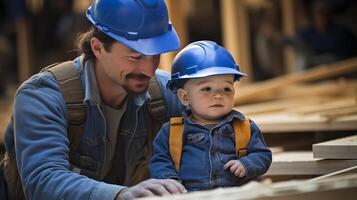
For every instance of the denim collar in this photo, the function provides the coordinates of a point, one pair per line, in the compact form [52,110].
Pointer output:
[228,118]
[92,94]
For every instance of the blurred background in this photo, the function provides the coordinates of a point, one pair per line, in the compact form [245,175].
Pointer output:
[268,38]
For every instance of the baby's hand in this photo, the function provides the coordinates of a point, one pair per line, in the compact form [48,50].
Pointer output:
[236,168]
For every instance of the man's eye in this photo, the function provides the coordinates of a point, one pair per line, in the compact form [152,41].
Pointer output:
[206,89]
[135,57]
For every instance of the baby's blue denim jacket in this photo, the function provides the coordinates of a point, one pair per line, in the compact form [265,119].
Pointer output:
[205,152]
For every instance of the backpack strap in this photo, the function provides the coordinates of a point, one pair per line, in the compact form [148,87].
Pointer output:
[175,140]
[71,87]
[241,131]
[242,136]
[156,106]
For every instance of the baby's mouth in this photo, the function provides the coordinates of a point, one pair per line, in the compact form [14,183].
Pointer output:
[217,105]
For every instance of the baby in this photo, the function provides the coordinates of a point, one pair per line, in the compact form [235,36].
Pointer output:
[212,145]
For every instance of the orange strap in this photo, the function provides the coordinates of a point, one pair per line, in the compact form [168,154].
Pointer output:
[242,136]
[175,140]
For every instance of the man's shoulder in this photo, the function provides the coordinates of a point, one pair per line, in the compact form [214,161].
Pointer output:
[40,80]
[45,80]
[162,78]
[162,75]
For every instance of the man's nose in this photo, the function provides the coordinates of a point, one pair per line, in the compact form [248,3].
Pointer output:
[149,65]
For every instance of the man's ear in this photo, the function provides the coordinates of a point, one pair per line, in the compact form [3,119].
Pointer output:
[97,47]
[183,96]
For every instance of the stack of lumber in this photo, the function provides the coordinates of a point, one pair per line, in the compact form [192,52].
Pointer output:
[292,103]
[338,187]
[314,101]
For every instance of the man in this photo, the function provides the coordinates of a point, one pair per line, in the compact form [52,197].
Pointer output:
[121,53]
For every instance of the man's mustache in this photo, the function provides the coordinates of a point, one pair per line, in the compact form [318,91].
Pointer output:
[138,76]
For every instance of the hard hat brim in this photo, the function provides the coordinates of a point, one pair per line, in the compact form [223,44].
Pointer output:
[211,71]
[215,71]
[163,43]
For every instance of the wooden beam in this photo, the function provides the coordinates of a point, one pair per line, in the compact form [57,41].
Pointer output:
[80,6]
[235,30]
[23,49]
[288,122]
[343,148]
[289,29]
[303,163]
[325,189]
[178,17]
[248,93]
[277,106]
[349,170]
[348,102]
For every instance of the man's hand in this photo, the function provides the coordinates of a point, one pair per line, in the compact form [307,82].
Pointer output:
[236,168]
[152,187]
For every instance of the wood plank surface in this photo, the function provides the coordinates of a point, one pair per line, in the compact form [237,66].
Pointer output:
[303,163]
[290,122]
[340,187]
[343,148]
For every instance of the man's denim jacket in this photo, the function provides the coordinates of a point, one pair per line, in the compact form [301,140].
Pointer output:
[204,153]
[38,134]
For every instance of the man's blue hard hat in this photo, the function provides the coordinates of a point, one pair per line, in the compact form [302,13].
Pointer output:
[142,25]
[201,59]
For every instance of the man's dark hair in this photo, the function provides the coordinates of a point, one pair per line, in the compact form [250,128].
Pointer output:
[83,42]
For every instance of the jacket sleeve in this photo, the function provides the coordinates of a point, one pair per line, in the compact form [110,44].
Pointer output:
[259,156]
[42,147]
[161,165]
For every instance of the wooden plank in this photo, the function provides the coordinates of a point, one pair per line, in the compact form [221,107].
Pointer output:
[23,36]
[289,29]
[303,163]
[338,103]
[278,105]
[327,88]
[322,89]
[350,170]
[343,148]
[178,16]
[249,93]
[333,115]
[325,189]
[287,122]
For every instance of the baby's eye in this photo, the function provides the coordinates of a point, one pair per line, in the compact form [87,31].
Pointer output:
[227,89]
[206,89]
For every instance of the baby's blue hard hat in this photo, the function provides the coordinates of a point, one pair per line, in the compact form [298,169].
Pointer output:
[201,59]
[142,25]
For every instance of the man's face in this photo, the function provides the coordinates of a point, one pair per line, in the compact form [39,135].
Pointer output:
[209,98]
[130,69]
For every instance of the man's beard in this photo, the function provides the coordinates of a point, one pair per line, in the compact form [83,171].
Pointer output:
[137,77]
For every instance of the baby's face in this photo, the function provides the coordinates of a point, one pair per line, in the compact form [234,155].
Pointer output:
[209,98]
